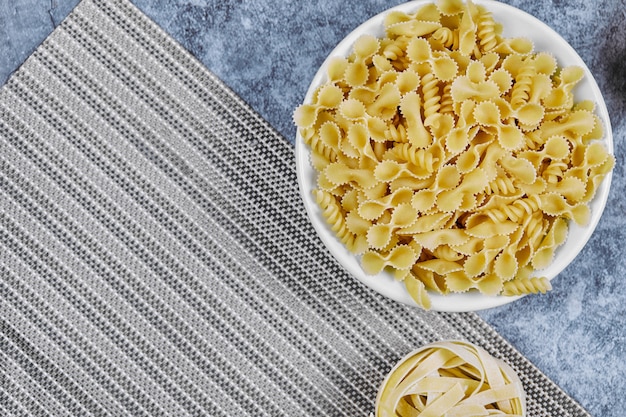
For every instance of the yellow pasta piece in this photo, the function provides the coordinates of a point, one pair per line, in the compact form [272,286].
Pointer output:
[333,216]
[555,237]
[372,209]
[305,115]
[450,7]
[386,103]
[417,134]
[401,257]
[366,46]
[352,109]
[389,170]
[526,286]
[417,290]
[336,68]
[407,81]
[329,96]
[355,223]
[412,28]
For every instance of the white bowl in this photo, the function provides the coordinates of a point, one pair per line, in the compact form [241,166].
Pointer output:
[470,350]
[516,23]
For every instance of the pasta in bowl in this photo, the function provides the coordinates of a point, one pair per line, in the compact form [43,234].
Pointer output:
[451,378]
[454,156]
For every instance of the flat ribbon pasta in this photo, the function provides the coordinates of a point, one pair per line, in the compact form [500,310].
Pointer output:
[450,378]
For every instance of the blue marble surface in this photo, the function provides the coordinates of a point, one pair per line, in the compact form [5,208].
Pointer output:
[267,51]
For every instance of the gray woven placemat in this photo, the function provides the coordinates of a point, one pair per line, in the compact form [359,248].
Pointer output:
[155,258]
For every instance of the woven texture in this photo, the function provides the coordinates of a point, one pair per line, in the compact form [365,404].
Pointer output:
[156,258]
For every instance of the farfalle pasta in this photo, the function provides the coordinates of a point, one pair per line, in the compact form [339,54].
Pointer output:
[451,156]
[451,378]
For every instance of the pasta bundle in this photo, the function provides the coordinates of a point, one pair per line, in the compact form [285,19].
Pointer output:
[452,156]
[450,378]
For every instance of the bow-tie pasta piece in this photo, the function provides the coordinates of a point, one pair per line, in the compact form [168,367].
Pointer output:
[339,173]
[554,204]
[472,183]
[474,85]
[400,24]
[372,209]
[352,109]
[380,234]
[483,252]
[506,266]
[329,96]
[572,125]
[561,96]
[359,140]
[386,102]
[417,290]
[407,81]
[555,237]
[441,267]
[390,170]
[357,224]
[519,168]
[357,71]
[402,257]
[443,67]
[417,133]
[425,223]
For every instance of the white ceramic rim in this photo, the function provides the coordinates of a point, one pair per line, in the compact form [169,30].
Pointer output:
[515,23]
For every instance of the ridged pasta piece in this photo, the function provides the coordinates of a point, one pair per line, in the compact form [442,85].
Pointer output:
[432,97]
[412,28]
[523,82]
[417,290]
[331,210]
[447,37]
[524,286]
[503,185]
[339,173]
[446,104]
[390,170]
[486,30]
[516,210]
[555,237]
[407,81]
[427,160]
[442,67]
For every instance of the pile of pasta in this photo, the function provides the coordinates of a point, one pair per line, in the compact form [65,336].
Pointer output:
[451,379]
[452,156]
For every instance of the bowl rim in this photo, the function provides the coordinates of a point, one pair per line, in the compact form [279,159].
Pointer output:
[514,20]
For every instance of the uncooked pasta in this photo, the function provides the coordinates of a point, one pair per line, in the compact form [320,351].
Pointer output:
[450,378]
[451,156]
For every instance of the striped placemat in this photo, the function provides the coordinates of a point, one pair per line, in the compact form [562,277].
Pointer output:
[155,255]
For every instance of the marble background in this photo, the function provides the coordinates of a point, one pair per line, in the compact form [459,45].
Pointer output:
[267,51]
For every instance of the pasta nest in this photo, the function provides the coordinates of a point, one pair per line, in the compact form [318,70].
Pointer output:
[450,378]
